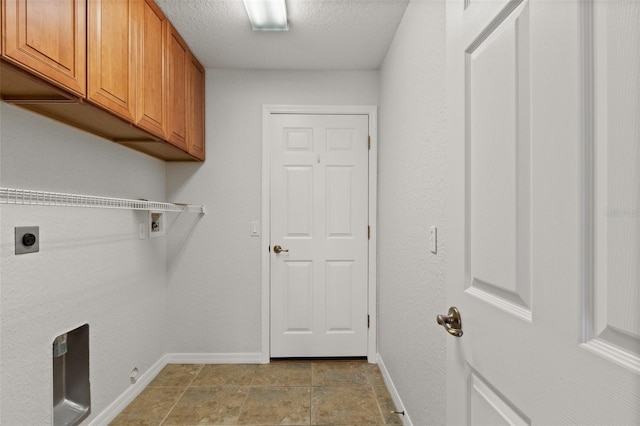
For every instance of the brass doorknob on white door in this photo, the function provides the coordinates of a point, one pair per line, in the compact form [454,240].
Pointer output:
[277,249]
[451,322]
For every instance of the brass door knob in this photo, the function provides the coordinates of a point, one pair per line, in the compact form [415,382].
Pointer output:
[451,322]
[277,249]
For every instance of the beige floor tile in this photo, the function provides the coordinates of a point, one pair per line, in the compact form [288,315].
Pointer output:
[283,374]
[374,375]
[225,375]
[177,375]
[280,393]
[339,374]
[386,405]
[208,406]
[344,405]
[150,407]
[277,406]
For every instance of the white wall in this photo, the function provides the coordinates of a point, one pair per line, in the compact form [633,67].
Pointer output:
[91,267]
[410,199]
[214,265]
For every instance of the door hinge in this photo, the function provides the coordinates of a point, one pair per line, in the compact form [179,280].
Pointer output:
[369,143]
[368,232]
[368,321]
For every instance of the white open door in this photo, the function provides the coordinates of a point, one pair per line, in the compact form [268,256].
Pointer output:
[544,231]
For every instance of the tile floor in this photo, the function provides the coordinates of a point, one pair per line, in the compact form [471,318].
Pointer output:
[280,393]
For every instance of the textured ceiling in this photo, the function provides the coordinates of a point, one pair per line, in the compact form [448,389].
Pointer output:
[323,34]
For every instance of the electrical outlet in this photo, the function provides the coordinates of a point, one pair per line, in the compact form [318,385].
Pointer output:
[27,239]
[133,377]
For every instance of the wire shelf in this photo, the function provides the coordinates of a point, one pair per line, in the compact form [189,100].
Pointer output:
[45,198]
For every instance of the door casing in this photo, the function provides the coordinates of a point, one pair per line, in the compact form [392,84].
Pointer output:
[372,112]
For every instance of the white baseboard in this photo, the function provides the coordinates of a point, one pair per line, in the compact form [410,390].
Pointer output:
[231,358]
[406,420]
[129,395]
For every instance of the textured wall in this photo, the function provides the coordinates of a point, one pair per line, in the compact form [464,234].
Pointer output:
[91,268]
[214,265]
[411,198]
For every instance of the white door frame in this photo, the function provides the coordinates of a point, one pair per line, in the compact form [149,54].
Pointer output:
[372,112]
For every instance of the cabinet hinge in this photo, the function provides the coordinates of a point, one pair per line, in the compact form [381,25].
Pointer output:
[369,141]
[368,321]
[368,232]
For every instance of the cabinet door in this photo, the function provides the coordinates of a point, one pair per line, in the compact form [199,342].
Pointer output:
[177,88]
[48,38]
[195,118]
[113,54]
[152,74]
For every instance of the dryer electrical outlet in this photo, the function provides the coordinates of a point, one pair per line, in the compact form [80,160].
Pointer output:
[27,239]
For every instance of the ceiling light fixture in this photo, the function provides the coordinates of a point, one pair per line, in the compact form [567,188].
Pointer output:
[267,15]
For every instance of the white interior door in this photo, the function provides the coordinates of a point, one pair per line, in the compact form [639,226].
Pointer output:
[544,232]
[319,214]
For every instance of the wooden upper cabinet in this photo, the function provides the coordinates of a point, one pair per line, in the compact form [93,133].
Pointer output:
[177,90]
[152,71]
[48,38]
[195,109]
[115,68]
[112,55]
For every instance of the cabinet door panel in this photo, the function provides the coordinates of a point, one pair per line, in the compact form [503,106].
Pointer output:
[49,38]
[113,55]
[195,119]
[177,88]
[152,90]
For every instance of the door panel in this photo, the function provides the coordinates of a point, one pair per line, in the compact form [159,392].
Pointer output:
[496,74]
[613,319]
[49,37]
[543,154]
[177,89]
[340,289]
[340,197]
[319,213]
[195,107]
[298,201]
[152,74]
[489,407]
[112,47]
[298,140]
[298,308]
